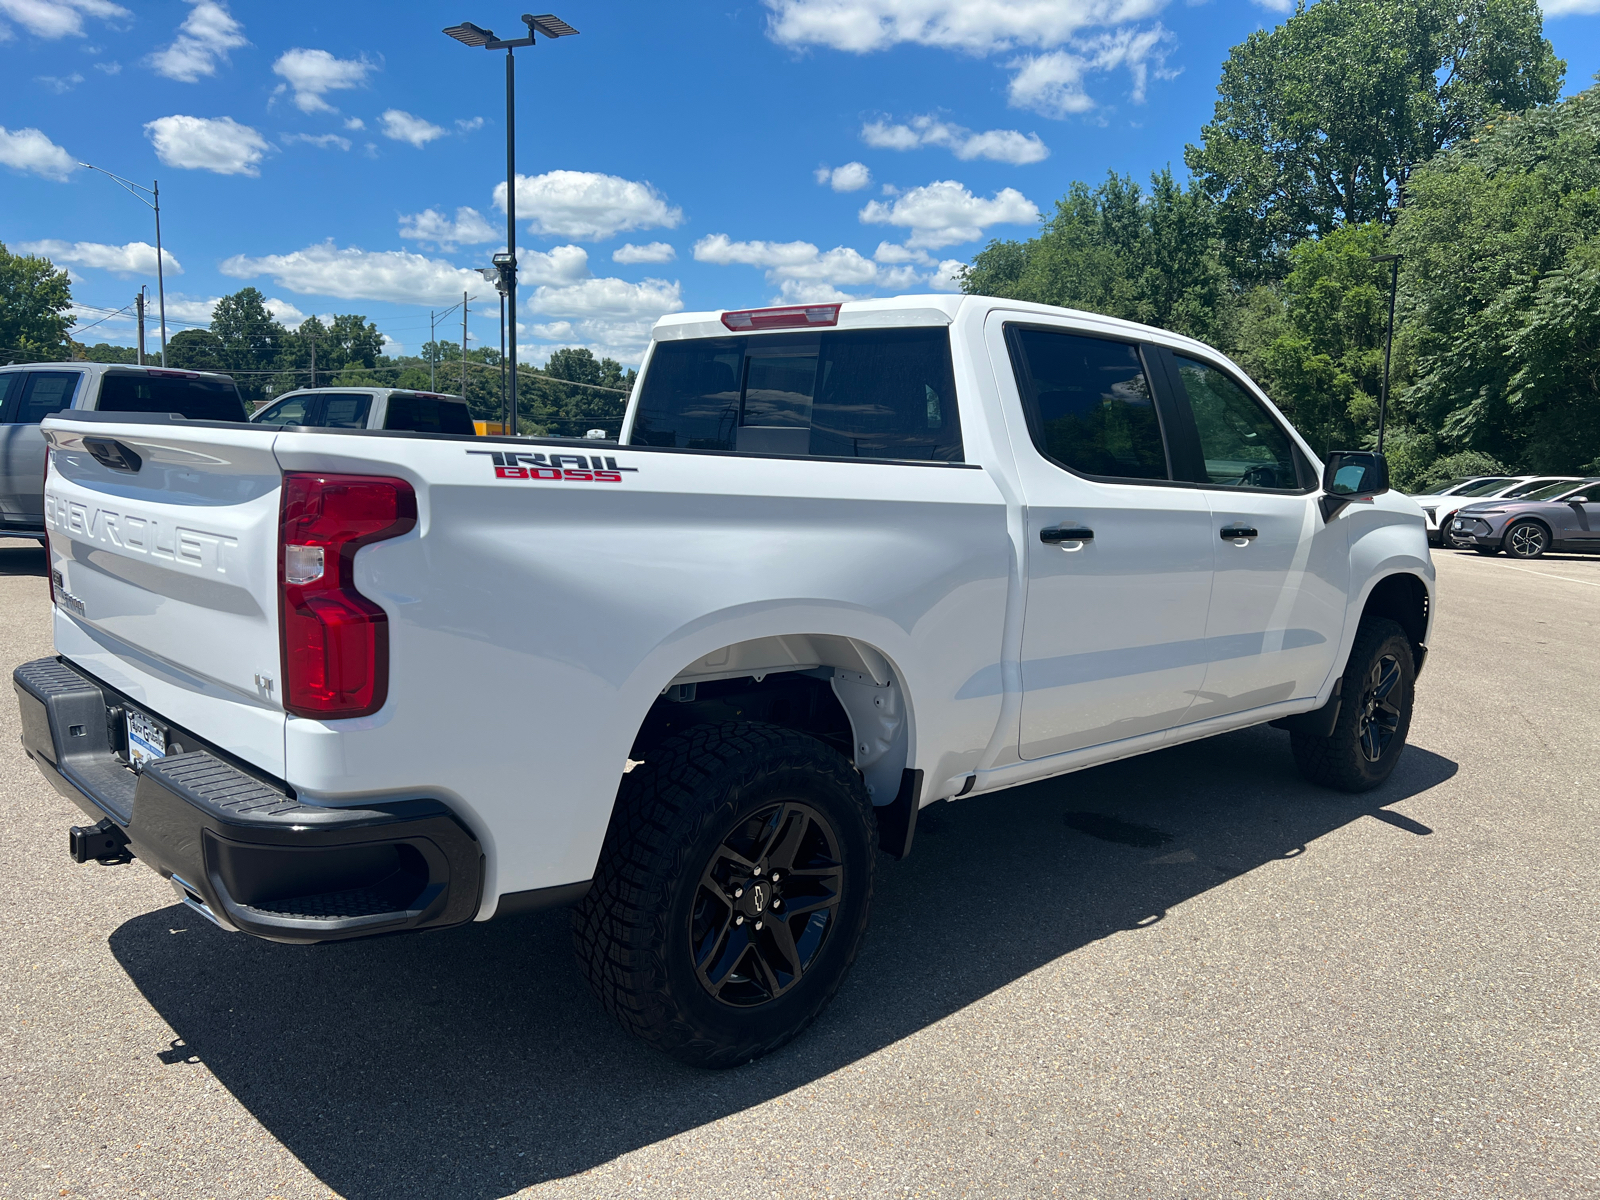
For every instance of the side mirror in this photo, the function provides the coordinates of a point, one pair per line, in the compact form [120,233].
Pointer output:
[1577,500]
[1352,475]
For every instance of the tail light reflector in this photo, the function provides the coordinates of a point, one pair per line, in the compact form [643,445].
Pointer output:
[799,317]
[335,640]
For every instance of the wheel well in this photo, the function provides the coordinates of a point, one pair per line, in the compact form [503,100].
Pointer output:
[1539,521]
[799,700]
[1403,599]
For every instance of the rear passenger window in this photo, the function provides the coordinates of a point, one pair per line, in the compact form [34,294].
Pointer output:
[43,393]
[417,413]
[856,393]
[345,412]
[292,411]
[195,399]
[1088,403]
[1243,447]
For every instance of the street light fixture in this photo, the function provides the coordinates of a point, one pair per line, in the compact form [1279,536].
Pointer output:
[154,202]
[1388,343]
[477,37]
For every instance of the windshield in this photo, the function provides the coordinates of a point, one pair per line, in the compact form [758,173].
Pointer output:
[1556,491]
[1444,489]
[1535,485]
[1484,487]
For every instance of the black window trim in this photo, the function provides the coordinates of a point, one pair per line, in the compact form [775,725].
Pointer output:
[1159,396]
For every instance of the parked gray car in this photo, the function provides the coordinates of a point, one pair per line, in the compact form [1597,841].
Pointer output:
[32,391]
[1562,516]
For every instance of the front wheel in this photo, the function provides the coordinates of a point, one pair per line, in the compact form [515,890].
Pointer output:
[1527,539]
[732,893]
[1374,714]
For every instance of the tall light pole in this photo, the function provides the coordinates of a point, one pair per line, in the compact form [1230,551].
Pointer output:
[469,34]
[497,276]
[154,202]
[1388,342]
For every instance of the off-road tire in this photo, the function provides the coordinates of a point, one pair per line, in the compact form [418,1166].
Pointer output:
[632,931]
[1339,760]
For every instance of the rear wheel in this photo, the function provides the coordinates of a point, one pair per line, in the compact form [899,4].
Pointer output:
[1527,539]
[732,893]
[1374,714]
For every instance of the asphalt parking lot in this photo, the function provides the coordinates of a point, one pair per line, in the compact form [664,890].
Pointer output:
[1185,975]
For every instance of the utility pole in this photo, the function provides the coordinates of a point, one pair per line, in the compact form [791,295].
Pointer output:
[161,286]
[139,301]
[433,356]
[463,345]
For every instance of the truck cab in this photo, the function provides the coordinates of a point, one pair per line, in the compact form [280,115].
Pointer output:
[368,408]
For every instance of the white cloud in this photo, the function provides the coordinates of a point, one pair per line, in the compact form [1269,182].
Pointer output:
[354,274]
[944,213]
[433,227]
[110,68]
[653,252]
[204,39]
[401,126]
[1555,8]
[135,258]
[468,126]
[1550,6]
[1052,84]
[985,27]
[285,313]
[58,18]
[355,123]
[59,83]
[323,141]
[891,254]
[973,26]
[1001,145]
[948,277]
[803,273]
[217,144]
[314,73]
[611,316]
[187,309]
[588,205]
[851,177]
[30,150]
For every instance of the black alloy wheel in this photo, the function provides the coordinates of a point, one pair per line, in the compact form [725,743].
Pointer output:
[1380,716]
[1369,733]
[732,892]
[1527,539]
[768,899]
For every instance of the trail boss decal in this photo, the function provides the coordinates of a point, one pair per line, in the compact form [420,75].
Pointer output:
[570,468]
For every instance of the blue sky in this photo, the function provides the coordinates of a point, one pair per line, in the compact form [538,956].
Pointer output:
[345,157]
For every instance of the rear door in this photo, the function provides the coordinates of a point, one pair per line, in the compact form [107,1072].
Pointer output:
[1280,593]
[30,397]
[166,574]
[1113,642]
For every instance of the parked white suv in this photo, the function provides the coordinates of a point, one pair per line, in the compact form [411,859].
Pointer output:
[846,561]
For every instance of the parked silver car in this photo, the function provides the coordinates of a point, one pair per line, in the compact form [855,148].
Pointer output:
[369,408]
[1438,511]
[1561,516]
[32,391]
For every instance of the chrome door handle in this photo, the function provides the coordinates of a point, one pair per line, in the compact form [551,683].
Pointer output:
[1233,533]
[1068,533]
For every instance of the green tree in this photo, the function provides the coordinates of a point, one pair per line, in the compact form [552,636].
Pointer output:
[104,352]
[252,340]
[1500,297]
[1319,120]
[1120,251]
[1315,343]
[196,350]
[34,299]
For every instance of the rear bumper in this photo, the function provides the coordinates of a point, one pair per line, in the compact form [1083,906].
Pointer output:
[240,848]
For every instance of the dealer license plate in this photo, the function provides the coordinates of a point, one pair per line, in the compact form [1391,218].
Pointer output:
[147,741]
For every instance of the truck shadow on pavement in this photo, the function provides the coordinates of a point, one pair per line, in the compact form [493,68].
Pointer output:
[474,1062]
[18,557]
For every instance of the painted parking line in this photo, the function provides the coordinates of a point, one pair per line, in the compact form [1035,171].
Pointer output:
[1547,575]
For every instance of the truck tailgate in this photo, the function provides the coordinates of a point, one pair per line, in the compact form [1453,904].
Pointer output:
[163,551]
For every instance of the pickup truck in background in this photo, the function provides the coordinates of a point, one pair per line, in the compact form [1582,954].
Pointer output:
[369,408]
[32,391]
[846,561]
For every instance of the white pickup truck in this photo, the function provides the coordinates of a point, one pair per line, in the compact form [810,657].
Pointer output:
[844,562]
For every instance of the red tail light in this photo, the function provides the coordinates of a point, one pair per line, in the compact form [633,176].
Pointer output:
[335,640]
[799,317]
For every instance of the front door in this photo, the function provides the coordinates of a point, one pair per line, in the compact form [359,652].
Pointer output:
[1280,594]
[1118,557]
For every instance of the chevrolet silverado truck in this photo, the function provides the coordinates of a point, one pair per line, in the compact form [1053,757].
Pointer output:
[844,561]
